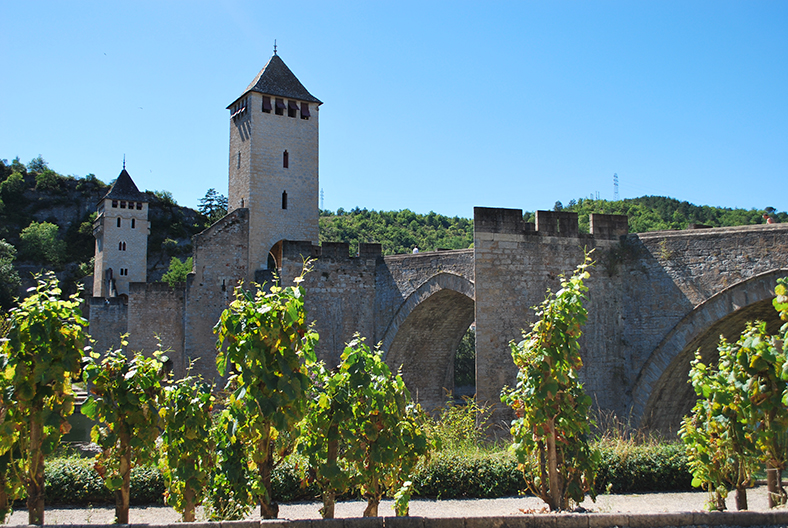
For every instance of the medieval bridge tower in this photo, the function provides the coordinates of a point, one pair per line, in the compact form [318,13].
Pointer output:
[121,229]
[273,166]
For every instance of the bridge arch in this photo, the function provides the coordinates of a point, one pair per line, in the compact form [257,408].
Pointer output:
[661,394]
[425,332]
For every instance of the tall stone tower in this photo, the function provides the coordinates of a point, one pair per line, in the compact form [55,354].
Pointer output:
[274,162]
[121,230]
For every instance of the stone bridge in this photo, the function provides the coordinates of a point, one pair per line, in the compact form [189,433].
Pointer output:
[653,299]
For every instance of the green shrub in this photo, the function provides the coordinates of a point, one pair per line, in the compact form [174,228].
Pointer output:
[49,180]
[461,427]
[72,480]
[639,468]
[286,481]
[147,485]
[486,472]
[451,475]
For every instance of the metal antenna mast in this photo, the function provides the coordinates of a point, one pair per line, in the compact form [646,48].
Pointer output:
[615,186]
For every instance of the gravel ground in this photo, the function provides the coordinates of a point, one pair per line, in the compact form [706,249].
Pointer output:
[638,503]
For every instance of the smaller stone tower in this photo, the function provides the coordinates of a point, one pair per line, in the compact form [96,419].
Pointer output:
[121,230]
[274,163]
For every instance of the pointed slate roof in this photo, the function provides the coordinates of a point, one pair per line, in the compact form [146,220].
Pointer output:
[276,79]
[125,189]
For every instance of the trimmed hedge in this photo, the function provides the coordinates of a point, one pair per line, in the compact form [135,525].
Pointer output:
[446,475]
[479,475]
[658,467]
[73,480]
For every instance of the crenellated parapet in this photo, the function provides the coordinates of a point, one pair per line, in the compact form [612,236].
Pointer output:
[548,223]
[336,251]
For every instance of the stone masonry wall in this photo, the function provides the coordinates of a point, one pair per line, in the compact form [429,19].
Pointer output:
[688,271]
[641,288]
[156,309]
[424,305]
[220,264]
[514,266]
[703,262]
[108,321]
[367,293]
[399,276]
[340,292]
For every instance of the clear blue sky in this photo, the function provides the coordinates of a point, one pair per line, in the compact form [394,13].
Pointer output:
[427,105]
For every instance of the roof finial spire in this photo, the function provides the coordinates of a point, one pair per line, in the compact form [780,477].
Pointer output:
[124,161]
[274,46]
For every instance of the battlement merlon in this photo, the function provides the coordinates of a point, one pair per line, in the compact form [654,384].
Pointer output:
[301,250]
[548,223]
[608,226]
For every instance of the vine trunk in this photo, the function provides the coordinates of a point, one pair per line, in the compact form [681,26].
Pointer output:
[330,496]
[268,508]
[556,491]
[35,478]
[122,495]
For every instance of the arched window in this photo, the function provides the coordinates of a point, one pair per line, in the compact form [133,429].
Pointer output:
[118,221]
[286,159]
[121,246]
[284,199]
[133,223]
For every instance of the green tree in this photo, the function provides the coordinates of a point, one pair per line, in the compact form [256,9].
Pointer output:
[49,181]
[383,434]
[79,240]
[396,231]
[320,440]
[9,278]
[743,411]
[42,356]
[551,432]
[213,206]
[266,345]
[187,444]
[178,271]
[363,431]
[165,197]
[12,187]
[760,373]
[37,164]
[229,497]
[125,398]
[39,243]
[722,454]
[11,425]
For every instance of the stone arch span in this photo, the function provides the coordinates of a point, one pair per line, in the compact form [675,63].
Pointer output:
[661,394]
[425,332]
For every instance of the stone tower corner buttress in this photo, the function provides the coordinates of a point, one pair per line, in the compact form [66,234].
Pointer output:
[273,163]
[121,229]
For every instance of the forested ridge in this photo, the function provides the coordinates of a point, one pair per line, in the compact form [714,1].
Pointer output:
[659,213]
[46,221]
[397,231]
[401,231]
